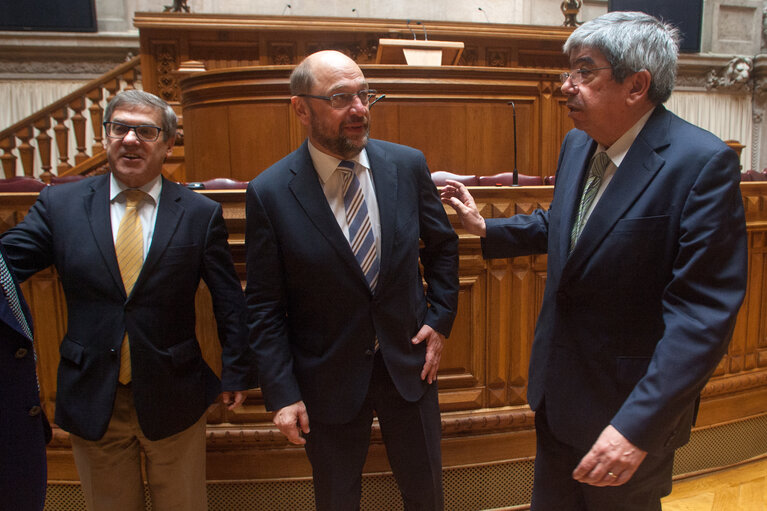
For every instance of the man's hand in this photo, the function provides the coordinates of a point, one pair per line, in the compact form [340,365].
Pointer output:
[239,398]
[611,461]
[289,419]
[456,195]
[434,343]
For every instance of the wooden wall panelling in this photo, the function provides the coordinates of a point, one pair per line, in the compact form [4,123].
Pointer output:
[459,118]
[484,370]
[207,152]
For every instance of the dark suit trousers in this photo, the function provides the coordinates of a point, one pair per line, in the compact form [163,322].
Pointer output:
[555,489]
[411,434]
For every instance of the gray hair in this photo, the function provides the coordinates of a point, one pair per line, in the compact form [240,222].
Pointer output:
[141,98]
[631,42]
[301,79]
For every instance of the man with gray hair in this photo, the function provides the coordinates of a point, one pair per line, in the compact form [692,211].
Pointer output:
[647,252]
[130,248]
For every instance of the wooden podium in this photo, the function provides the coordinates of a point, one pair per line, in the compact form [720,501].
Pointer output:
[418,52]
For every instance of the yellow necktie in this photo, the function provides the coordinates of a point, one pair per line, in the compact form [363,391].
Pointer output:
[129,247]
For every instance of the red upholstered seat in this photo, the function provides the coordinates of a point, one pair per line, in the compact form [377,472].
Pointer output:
[224,183]
[753,175]
[507,179]
[21,184]
[441,176]
[58,180]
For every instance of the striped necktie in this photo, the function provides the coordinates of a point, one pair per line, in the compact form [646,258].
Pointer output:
[361,237]
[599,163]
[129,247]
[9,289]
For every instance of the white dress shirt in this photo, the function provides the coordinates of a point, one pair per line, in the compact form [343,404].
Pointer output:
[331,180]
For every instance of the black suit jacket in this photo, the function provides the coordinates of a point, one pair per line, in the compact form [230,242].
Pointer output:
[635,320]
[69,226]
[312,315]
[23,426]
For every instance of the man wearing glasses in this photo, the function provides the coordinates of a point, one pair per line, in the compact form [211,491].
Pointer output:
[647,251]
[338,314]
[130,248]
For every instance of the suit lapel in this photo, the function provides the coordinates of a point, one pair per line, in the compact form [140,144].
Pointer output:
[636,171]
[169,215]
[96,205]
[305,187]
[385,179]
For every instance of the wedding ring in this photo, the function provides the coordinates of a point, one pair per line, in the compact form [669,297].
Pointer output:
[612,475]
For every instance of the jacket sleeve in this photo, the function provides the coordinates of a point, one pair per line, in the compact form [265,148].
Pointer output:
[29,245]
[267,307]
[238,369]
[439,255]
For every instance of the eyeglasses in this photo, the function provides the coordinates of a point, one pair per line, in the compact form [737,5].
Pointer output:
[577,76]
[144,132]
[344,99]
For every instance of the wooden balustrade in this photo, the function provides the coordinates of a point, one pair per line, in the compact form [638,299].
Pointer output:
[31,137]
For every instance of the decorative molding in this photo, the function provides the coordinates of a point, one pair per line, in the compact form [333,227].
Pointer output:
[69,66]
[736,76]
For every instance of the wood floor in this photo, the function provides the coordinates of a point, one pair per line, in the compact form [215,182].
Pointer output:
[742,488]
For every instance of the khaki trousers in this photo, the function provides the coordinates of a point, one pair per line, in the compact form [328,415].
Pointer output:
[110,468]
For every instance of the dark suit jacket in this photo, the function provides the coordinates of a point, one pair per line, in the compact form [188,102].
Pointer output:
[69,226]
[23,426]
[634,321]
[312,315]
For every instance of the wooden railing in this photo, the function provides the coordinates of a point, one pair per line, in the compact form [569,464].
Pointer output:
[83,110]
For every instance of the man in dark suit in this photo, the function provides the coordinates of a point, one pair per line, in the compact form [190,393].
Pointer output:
[24,430]
[130,248]
[646,272]
[338,313]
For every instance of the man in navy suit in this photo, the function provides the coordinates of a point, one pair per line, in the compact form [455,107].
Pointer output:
[132,378]
[24,430]
[647,251]
[338,313]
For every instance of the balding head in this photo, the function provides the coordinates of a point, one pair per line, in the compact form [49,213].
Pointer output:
[315,66]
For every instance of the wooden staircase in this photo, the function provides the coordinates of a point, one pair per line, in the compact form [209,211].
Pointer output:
[50,134]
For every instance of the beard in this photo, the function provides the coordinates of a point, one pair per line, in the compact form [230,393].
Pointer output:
[336,142]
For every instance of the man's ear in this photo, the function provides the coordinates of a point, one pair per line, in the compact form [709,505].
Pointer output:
[301,109]
[640,86]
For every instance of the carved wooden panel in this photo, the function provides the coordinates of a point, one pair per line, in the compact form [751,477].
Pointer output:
[483,374]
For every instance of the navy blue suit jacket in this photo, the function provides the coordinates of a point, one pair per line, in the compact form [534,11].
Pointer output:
[312,315]
[635,320]
[69,226]
[23,426]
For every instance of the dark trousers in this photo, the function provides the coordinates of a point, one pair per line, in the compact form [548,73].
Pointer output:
[554,488]
[411,434]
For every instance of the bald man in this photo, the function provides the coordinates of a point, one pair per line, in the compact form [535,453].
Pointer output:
[337,309]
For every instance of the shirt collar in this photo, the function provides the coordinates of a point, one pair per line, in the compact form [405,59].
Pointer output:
[152,188]
[326,164]
[617,152]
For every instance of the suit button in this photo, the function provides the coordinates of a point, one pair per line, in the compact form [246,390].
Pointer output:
[34,411]
[21,353]
[113,352]
[369,353]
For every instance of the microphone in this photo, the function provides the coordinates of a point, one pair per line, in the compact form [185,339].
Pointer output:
[354,10]
[287,7]
[411,30]
[515,175]
[480,9]
[376,100]
[425,37]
